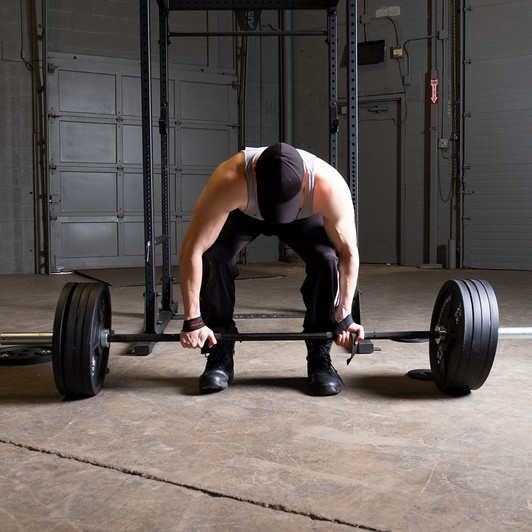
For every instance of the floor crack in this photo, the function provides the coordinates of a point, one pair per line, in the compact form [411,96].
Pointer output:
[184,485]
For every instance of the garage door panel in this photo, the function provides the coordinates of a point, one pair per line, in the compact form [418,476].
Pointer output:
[89,239]
[87,142]
[96,164]
[494,74]
[87,92]
[134,193]
[500,138]
[201,101]
[193,184]
[88,192]
[133,234]
[132,139]
[205,147]
[131,97]
[497,29]
[500,233]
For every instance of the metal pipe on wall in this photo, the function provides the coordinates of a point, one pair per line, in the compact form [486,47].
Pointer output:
[433,141]
[461,149]
[41,219]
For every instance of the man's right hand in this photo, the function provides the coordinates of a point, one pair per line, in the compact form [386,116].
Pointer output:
[197,338]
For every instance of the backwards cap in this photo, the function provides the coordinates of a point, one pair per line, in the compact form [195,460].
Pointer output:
[279,171]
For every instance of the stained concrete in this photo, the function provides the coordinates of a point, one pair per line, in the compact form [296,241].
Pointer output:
[388,453]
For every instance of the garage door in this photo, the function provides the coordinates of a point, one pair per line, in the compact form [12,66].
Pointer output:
[95,156]
[497,126]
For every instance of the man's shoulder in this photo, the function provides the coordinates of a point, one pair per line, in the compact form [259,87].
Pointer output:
[330,188]
[228,182]
[231,168]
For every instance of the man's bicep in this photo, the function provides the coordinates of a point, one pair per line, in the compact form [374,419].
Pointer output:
[205,225]
[342,234]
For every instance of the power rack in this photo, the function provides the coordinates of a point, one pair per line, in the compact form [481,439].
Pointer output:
[157,316]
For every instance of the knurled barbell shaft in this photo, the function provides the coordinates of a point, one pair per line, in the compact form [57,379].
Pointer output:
[273,336]
[244,337]
[47,338]
[111,337]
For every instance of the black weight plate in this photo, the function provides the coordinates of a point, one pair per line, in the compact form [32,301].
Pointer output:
[73,339]
[24,355]
[84,359]
[453,312]
[491,315]
[58,339]
[481,327]
[421,374]
[94,356]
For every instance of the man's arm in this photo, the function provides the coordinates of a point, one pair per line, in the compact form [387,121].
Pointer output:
[225,191]
[332,199]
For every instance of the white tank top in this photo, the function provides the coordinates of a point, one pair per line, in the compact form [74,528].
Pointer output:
[252,208]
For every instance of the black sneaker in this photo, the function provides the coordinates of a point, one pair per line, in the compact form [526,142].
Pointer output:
[218,372]
[323,378]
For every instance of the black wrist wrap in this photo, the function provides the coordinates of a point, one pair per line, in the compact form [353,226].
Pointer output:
[193,325]
[342,326]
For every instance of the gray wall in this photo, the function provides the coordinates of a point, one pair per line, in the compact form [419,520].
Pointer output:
[497,135]
[100,28]
[404,79]
[430,177]
[464,168]
[16,152]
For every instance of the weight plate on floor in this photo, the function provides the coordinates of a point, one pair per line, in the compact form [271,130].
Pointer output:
[449,356]
[471,369]
[71,346]
[58,340]
[490,316]
[24,355]
[421,374]
[94,356]
[80,361]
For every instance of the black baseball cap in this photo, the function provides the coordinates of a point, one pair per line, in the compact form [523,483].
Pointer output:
[279,171]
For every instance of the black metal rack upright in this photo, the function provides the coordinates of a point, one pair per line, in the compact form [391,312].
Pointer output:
[155,318]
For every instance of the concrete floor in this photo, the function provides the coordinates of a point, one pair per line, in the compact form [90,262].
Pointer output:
[388,453]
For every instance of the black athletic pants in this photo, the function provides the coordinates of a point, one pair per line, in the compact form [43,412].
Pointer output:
[307,237]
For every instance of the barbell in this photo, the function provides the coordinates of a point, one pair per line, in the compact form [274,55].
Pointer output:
[463,335]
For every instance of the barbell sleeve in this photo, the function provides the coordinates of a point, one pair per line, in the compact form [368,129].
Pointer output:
[26,339]
[515,332]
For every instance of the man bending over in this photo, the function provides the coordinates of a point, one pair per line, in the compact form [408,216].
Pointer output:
[304,201]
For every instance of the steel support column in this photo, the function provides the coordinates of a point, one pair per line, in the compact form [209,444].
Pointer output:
[352,101]
[166,280]
[352,122]
[155,319]
[332,40]
[150,296]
